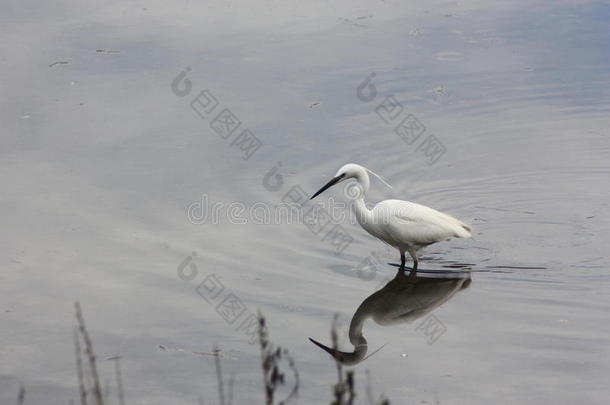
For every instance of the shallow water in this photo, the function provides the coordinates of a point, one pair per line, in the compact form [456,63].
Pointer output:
[103,159]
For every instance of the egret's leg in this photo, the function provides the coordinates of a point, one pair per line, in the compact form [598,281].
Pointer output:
[402,261]
[413,254]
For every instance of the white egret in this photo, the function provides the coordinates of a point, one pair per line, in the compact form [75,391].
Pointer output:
[404,225]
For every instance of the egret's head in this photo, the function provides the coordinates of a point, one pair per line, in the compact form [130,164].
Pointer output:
[348,171]
[351,170]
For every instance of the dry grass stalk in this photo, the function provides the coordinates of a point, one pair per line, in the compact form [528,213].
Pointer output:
[21,396]
[119,380]
[79,368]
[96,389]
[344,388]
[220,381]
[271,356]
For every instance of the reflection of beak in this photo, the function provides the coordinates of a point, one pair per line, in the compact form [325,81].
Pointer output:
[347,358]
[331,183]
[332,352]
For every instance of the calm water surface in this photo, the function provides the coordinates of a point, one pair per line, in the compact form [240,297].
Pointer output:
[102,158]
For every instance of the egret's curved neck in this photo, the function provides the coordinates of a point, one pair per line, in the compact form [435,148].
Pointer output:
[363,214]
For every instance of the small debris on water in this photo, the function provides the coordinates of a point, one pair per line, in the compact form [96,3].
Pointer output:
[61,62]
[354,23]
[214,354]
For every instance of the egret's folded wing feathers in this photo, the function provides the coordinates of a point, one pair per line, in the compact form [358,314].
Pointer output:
[419,224]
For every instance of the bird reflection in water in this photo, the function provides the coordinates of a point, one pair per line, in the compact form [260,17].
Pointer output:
[403,299]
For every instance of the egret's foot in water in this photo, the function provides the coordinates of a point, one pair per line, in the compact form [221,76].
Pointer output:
[413,273]
[402,261]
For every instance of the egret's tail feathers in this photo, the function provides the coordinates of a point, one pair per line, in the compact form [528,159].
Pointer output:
[464,231]
[461,229]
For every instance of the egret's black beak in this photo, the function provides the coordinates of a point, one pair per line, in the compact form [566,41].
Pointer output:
[331,183]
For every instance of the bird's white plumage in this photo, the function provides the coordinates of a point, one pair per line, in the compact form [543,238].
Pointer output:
[401,223]
[405,225]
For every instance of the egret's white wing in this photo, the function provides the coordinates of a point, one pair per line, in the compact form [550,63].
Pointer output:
[412,223]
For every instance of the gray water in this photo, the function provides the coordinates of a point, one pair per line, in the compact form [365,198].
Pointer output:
[103,158]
